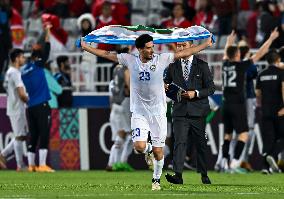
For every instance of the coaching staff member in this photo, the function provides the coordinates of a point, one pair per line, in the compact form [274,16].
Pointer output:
[38,109]
[194,76]
[270,91]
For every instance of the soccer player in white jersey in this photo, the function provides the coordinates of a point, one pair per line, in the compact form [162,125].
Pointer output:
[147,95]
[16,99]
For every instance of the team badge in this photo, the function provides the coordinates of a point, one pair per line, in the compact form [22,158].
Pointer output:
[153,67]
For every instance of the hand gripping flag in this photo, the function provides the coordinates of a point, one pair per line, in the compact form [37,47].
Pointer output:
[126,35]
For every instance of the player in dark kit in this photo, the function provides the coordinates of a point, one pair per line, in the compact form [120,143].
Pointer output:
[270,91]
[234,103]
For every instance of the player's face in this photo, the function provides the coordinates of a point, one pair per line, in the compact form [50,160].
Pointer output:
[147,51]
[183,45]
[21,59]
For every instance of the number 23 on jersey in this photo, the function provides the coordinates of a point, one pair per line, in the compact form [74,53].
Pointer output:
[144,76]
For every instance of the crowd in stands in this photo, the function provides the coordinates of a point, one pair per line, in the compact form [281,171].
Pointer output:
[22,21]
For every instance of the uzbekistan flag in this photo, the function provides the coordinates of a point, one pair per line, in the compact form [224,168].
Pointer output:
[126,35]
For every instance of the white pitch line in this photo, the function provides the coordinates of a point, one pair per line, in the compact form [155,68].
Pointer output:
[162,194]
[20,197]
[143,194]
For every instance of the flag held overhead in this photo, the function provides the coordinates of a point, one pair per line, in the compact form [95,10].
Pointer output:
[126,35]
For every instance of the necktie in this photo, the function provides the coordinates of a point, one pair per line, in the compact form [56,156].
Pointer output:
[186,69]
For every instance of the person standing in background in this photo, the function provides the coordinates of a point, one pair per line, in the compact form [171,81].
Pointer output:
[86,23]
[270,94]
[16,109]
[120,117]
[251,75]
[105,19]
[54,87]
[234,103]
[65,100]
[38,109]
[178,19]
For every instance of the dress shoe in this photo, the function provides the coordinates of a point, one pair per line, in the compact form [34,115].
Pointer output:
[205,180]
[174,179]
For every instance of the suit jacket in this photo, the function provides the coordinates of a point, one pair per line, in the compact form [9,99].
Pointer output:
[200,79]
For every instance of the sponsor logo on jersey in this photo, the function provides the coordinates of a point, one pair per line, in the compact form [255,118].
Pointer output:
[153,67]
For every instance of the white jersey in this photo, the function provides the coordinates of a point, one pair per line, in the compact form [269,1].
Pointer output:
[13,80]
[147,93]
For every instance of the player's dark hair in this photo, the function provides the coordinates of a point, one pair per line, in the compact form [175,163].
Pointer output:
[14,53]
[232,51]
[61,59]
[36,54]
[272,56]
[142,40]
[243,50]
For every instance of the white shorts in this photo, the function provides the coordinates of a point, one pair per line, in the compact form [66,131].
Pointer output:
[119,120]
[156,125]
[19,124]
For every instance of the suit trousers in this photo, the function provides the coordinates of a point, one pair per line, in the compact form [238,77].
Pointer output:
[182,128]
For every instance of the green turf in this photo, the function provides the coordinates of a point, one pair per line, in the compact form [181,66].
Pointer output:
[101,184]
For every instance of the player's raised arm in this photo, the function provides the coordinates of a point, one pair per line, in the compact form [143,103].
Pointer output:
[265,47]
[193,50]
[231,39]
[101,53]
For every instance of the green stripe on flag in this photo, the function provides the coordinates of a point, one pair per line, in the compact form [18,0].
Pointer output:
[145,28]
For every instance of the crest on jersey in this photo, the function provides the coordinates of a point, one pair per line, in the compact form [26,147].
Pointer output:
[153,67]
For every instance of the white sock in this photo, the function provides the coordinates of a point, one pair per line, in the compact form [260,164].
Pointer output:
[245,154]
[42,156]
[117,152]
[166,150]
[235,164]
[18,148]
[220,156]
[8,149]
[224,164]
[148,148]
[31,158]
[111,156]
[158,168]
[127,149]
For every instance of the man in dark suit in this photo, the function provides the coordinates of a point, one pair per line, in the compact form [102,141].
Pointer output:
[193,75]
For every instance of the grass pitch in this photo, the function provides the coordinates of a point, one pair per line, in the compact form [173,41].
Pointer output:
[101,184]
